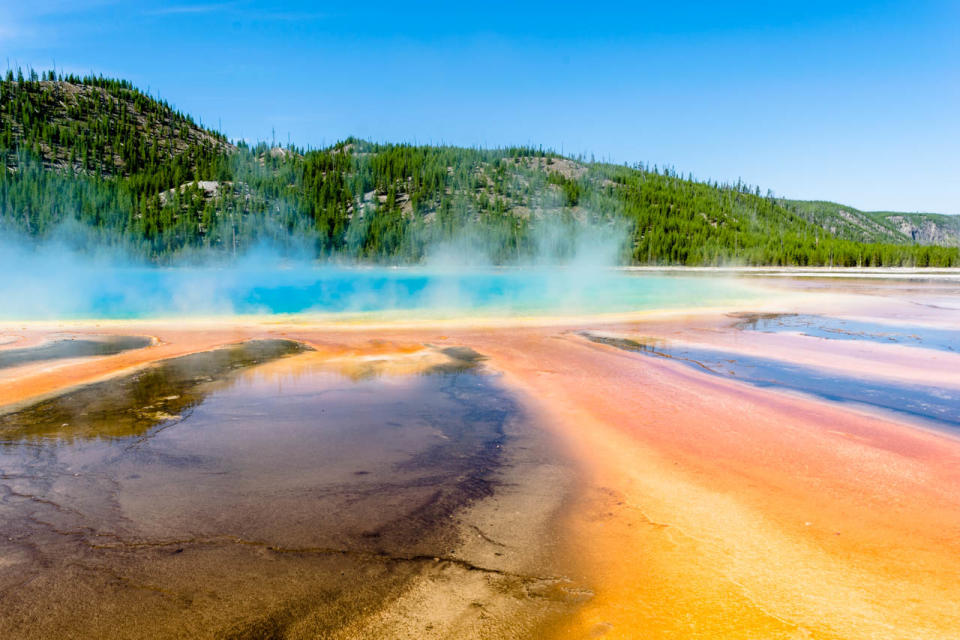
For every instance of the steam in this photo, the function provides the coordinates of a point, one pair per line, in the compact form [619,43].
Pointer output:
[568,268]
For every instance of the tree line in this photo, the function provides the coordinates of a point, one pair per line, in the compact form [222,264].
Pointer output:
[133,169]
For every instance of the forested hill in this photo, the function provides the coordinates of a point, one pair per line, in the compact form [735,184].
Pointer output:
[138,173]
[881,226]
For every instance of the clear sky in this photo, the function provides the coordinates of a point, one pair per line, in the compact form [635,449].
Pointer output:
[857,102]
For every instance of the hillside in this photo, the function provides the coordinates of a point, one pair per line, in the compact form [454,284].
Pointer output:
[925,228]
[137,173]
[94,125]
[880,226]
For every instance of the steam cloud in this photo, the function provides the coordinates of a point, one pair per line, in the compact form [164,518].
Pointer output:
[77,274]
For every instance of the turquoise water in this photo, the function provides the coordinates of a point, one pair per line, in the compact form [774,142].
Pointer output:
[152,292]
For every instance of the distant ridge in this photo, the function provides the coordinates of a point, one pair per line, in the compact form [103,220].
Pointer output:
[880,226]
[136,172]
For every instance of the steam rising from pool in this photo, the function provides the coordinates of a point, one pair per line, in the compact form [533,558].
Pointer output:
[93,292]
[53,281]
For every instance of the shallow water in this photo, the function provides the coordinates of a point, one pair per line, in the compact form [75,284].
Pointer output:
[282,498]
[939,405]
[131,406]
[71,348]
[147,292]
[833,328]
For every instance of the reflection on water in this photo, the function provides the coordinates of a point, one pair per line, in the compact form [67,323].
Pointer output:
[938,404]
[130,406]
[192,501]
[845,329]
[381,358]
[72,348]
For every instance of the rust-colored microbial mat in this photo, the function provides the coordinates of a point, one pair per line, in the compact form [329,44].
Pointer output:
[785,471]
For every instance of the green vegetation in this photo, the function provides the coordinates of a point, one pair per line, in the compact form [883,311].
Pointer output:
[880,226]
[137,172]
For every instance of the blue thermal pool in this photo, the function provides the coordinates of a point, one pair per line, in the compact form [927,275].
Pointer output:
[155,292]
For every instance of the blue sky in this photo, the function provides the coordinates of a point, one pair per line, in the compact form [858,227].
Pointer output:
[857,102]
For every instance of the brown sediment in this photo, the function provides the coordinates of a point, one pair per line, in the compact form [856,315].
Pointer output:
[149,397]
[706,508]
[33,382]
[292,503]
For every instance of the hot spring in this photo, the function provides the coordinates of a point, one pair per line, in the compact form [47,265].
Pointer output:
[142,292]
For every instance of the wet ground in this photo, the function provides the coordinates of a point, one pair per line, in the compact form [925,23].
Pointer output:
[832,328]
[343,481]
[937,405]
[251,492]
[158,395]
[71,347]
